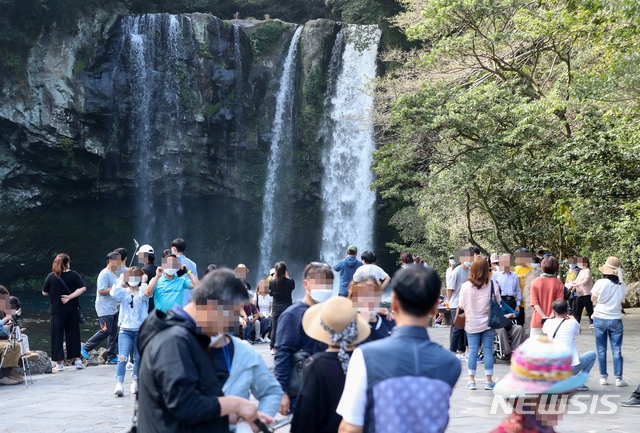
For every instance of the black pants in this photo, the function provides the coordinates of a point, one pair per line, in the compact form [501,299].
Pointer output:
[457,343]
[274,324]
[636,393]
[583,302]
[520,318]
[108,329]
[65,326]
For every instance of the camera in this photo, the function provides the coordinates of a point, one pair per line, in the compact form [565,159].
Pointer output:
[16,313]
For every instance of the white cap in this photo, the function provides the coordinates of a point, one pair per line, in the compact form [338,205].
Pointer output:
[146,249]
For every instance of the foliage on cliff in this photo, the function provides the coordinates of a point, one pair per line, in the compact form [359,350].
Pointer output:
[515,125]
[21,21]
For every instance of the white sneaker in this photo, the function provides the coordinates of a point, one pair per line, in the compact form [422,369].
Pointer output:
[621,382]
[79,365]
[461,356]
[603,381]
[129,366]
[266,339]
[119,391]
[273,351]
[60,367]
[134,388]
[260,340]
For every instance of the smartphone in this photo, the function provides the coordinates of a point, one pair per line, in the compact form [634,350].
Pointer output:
[281,422]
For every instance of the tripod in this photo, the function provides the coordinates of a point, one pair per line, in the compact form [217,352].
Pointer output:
[15,337]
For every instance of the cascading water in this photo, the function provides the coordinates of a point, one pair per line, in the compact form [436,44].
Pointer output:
[151,52]
[238,97]
[348,202]
[281,150]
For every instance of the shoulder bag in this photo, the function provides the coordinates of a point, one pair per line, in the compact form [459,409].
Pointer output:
[460,319]
[78,302]
[554,334]
[298,361]
[496,318]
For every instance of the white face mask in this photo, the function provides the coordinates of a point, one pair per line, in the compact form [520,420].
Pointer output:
[452,262]
[467,264]
[134,281]
[215,339]
[170,271]
[320,295]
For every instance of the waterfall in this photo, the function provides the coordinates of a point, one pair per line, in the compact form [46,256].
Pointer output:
[281,149]
[348,202]
[238,97]
[152,55]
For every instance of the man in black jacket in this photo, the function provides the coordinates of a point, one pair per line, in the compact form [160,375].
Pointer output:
[179,389]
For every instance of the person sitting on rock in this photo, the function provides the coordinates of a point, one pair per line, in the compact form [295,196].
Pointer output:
[10,359]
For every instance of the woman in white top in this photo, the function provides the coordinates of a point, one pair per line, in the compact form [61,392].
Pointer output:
[609,293]
[264,302]
[134,309]
[582,288]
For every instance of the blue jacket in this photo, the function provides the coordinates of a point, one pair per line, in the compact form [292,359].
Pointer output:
[507,309]
[290,337]
[250,373]
[347,267]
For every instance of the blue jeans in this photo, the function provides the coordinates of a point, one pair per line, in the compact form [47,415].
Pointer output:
[611,329]
[587,360]
[486,337]
[126,340]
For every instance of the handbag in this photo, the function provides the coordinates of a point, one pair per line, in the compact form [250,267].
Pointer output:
[298,361]
[81,316]
[460,319]
[496,318]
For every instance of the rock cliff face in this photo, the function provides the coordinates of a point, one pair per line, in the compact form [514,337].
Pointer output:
[154,126]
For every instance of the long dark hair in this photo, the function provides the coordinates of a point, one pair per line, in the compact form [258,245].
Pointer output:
[281,271]
[60,264]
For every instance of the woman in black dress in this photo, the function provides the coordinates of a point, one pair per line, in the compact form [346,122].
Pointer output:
[63,286]
[280,288]
[335,322]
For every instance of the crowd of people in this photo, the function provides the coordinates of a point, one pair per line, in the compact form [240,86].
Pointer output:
[341,364]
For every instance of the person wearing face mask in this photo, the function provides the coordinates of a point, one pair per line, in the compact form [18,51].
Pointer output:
[167,287]
[458,277]
[134,308]
[452,265]
[107,310]
[293,345]
[180,388]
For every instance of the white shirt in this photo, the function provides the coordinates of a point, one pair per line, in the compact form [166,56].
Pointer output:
[354,396]
[610,297]
[565,335]
[374,271]
[134,307]
[264,304]
[448,276]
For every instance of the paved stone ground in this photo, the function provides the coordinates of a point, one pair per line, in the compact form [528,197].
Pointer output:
[83,400]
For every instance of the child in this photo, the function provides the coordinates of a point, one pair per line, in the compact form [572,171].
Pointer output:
[134,307]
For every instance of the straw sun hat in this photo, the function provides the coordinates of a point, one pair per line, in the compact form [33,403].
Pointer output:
[611,266]
[540,366]
[336,314]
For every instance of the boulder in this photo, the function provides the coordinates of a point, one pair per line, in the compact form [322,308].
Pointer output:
[632,297]
[41,366]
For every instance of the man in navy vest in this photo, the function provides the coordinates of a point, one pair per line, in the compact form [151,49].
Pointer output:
[404,382]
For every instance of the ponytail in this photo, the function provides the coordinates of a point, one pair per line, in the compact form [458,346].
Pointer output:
[60,264]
